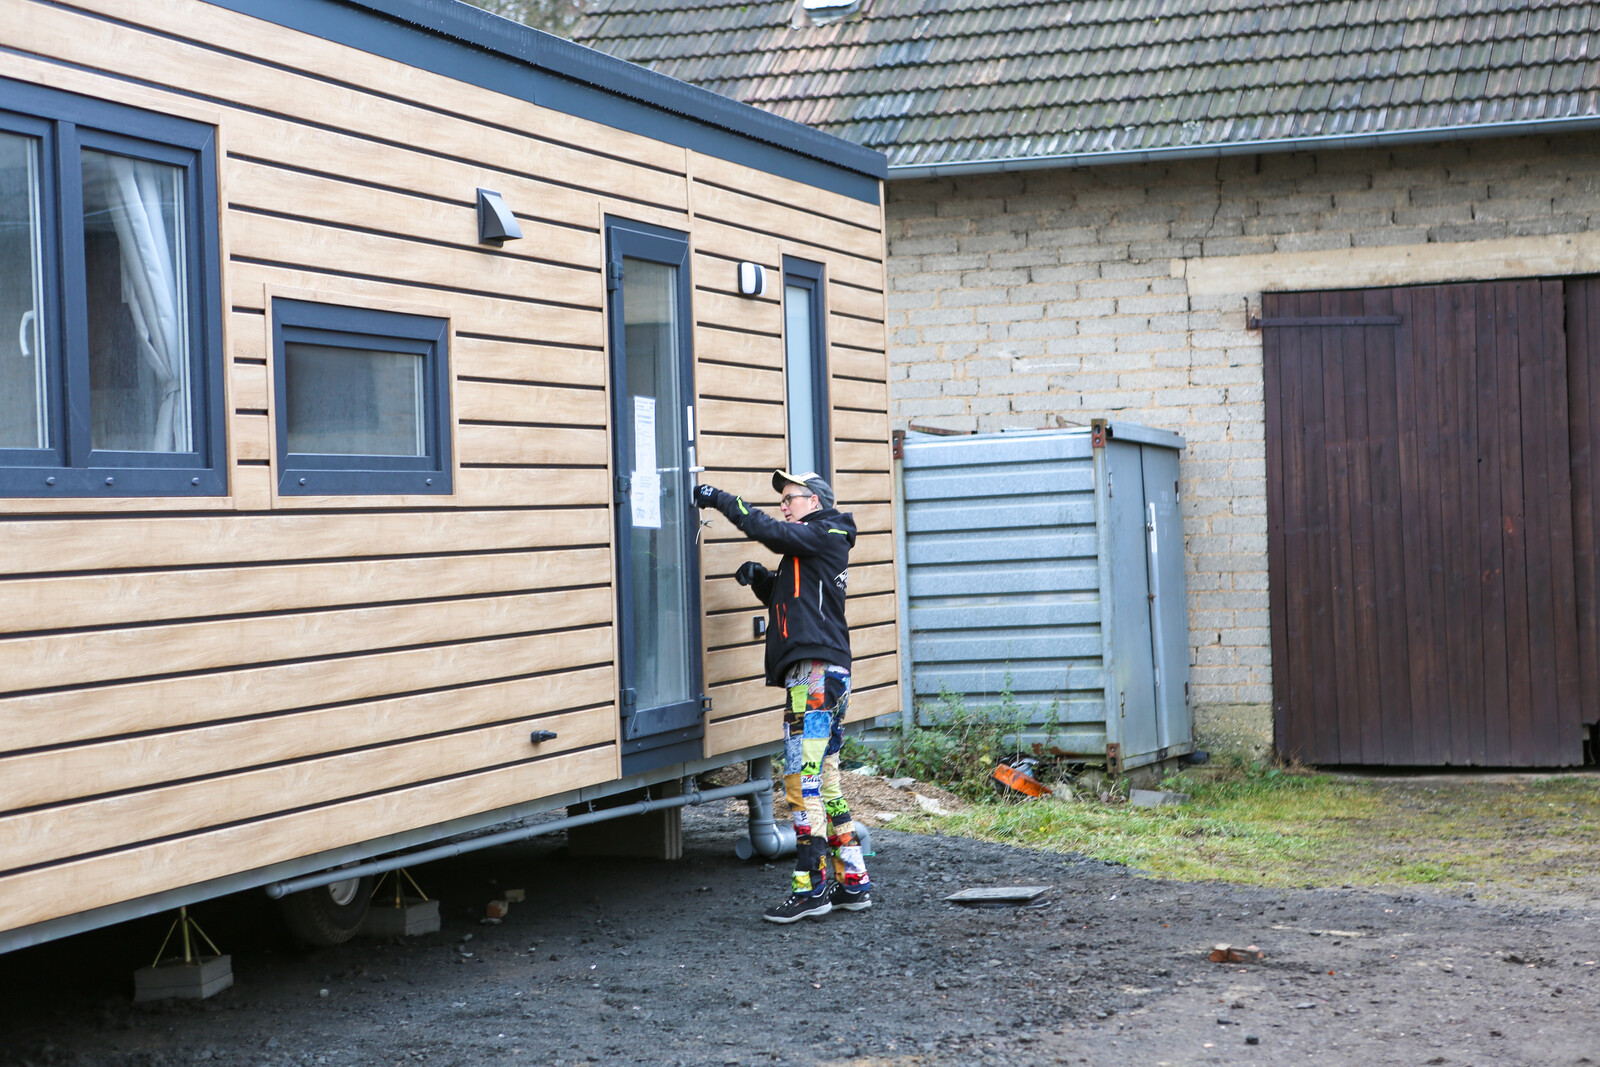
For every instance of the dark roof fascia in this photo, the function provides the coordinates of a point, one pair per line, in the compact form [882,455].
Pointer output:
[463,42]
[1521,128]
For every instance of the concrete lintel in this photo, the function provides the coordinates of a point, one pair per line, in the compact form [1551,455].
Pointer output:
[1363,268]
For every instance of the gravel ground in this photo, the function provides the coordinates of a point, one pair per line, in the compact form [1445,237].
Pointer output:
[632,961]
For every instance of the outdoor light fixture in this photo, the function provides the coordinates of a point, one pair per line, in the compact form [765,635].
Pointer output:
[752,279]
[496,223]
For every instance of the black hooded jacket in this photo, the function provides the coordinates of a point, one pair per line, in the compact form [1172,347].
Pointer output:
[805,596]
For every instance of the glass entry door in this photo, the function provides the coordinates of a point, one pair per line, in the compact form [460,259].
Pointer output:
[658,570]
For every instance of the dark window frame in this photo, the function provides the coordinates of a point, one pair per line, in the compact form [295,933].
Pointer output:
[66,125]
[804,274]
[341,326]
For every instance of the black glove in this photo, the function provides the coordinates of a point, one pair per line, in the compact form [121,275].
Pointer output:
[748,572]
[705,496]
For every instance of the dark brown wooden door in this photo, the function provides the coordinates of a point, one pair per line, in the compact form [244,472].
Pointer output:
[1420,527]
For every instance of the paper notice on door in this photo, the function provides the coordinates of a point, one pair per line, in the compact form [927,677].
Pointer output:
[645,496]
[644,435]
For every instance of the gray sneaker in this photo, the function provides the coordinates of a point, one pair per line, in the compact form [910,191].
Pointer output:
[842,898]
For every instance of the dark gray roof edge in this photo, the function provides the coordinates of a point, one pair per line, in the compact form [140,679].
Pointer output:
[1519,128]
[474,26]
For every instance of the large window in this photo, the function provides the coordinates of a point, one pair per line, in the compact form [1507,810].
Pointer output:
[110,306]
[805,361]
[362,400]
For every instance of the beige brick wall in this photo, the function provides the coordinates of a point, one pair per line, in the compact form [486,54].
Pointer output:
[1048,298]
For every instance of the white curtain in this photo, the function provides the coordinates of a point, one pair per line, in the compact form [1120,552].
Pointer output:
[151,258]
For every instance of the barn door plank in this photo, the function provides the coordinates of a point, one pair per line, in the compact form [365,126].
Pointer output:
[1365,738]
[1401,736]
[1491,600]
[1389,634]
[1557,733]
[1467,727]
[1501,734]
[1319,548]
[1274,359]
[1335,345]
[1583,348]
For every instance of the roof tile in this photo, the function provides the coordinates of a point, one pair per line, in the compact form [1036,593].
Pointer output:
[961,80]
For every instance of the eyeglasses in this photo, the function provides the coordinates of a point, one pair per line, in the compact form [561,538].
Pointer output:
[795,496]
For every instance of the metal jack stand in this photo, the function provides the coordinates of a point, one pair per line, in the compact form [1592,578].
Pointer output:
[403,916]
[193,976]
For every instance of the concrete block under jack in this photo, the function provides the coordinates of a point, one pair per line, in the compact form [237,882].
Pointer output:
[205,976]
[413,917]
[656,835]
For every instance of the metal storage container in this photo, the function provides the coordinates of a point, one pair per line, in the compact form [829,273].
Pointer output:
[1049,565]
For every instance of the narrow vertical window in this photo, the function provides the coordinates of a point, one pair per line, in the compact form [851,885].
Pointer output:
[23,394]
[140,391]
[805,350]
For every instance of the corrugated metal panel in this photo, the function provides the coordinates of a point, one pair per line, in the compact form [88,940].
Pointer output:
[1027,581]
[1003,576]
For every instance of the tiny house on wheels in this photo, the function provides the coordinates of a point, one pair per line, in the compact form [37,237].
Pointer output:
[358,359]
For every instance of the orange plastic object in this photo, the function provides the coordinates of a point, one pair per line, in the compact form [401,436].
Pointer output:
[1020,781]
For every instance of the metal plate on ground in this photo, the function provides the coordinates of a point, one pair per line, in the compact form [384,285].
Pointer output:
[999,896]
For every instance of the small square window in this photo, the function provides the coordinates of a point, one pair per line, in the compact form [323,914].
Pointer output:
[362,400]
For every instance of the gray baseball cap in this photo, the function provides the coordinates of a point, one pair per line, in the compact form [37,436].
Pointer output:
[810,479]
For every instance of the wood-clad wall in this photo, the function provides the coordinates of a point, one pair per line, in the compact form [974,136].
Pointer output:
[193,688]
[740,215]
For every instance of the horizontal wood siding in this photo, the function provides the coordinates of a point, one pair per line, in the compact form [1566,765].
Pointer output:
[193,688]
[740,381]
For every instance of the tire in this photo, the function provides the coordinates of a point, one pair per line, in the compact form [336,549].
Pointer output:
[327,914]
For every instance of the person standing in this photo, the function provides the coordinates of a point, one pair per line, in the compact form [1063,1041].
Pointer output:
[808,655]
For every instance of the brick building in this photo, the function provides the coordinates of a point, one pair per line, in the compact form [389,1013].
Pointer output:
[1090,203]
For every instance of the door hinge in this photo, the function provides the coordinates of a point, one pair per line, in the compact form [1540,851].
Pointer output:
[613,275]
[624,485]
[630,699]
[705,704]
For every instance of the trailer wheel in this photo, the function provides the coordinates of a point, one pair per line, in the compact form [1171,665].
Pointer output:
[328,914]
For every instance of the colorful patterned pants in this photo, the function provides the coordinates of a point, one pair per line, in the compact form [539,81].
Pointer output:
[813,721]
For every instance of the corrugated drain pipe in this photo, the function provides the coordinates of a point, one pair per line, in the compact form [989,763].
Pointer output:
[756,789]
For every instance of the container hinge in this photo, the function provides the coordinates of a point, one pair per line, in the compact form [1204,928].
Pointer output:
[1097,433]
[613,276]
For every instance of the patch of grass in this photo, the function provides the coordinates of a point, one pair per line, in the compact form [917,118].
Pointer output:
[1265,826]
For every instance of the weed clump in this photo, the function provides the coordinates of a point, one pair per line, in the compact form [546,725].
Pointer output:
[961,747]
